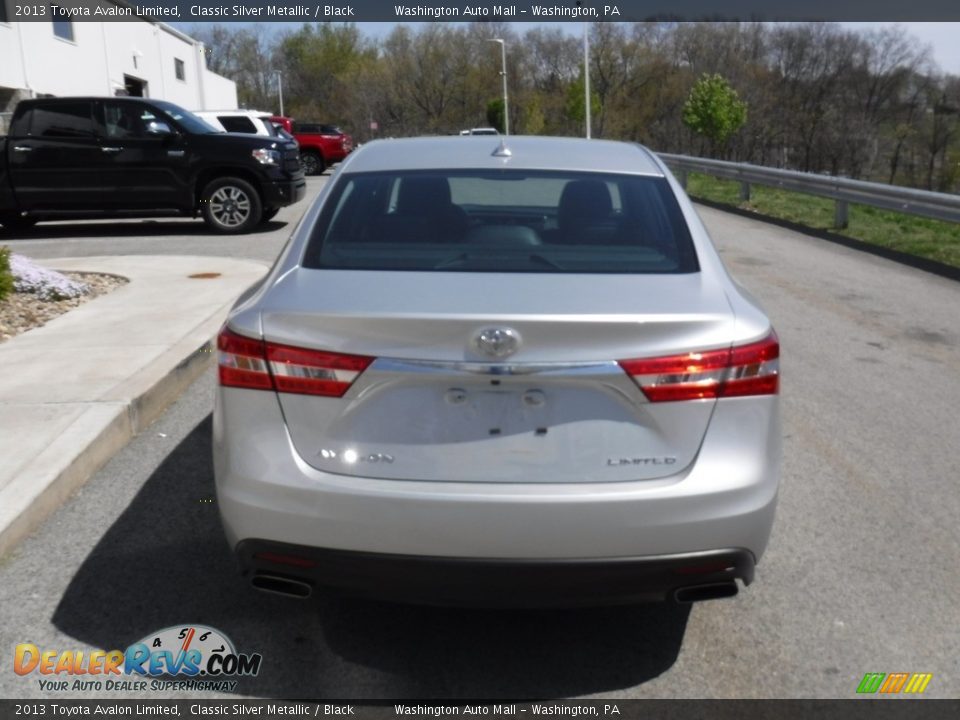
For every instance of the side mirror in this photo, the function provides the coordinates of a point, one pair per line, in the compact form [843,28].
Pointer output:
[158,128]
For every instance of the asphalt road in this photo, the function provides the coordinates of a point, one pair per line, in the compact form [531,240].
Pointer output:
[861,574]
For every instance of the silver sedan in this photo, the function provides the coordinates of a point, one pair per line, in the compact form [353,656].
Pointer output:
[499,371]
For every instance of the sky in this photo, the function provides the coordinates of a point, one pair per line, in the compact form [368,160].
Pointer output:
[942,37]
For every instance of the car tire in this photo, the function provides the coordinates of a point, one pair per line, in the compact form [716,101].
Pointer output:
[13,222]
[269,214]
[312,163]
[231,205]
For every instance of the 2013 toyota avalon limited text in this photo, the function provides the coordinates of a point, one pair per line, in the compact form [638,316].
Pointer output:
[499,371]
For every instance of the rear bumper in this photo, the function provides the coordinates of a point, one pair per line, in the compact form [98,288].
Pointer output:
[494,583]
[725,499]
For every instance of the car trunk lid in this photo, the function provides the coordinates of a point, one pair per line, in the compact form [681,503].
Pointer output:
[435,405]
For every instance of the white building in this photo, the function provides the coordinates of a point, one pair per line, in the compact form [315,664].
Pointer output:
[130,57]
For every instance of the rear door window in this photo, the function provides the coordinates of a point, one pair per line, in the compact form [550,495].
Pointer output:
[63,120]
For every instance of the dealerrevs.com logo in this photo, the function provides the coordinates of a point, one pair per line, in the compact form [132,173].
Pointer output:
[182,657]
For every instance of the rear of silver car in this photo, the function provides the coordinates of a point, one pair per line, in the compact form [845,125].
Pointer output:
[503,395]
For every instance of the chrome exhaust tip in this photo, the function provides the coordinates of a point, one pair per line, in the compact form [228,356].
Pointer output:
[281,586]
[713,591]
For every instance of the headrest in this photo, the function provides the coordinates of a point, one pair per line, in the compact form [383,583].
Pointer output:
[584,200]
[421,195]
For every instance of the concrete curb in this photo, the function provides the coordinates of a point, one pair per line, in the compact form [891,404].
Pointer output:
[103,427]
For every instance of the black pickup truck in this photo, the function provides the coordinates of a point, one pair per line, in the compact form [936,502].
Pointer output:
[82,157]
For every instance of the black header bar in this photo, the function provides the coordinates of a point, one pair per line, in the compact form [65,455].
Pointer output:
[300,11]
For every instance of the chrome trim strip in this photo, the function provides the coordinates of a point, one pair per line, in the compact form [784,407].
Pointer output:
[396,365]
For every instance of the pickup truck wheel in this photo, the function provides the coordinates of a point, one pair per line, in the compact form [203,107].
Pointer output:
[312,163]
[230,205]
[13,222]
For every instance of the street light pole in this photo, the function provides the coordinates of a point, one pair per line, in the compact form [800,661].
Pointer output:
[503,74]
[586,72]
[280,90]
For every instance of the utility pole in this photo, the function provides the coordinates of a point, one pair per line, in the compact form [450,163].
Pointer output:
[280,90]
[586,72]
[503,74]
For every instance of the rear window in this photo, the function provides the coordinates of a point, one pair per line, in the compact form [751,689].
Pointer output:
[316,128]
[237,124]
[502,221]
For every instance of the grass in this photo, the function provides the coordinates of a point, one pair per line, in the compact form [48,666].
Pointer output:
[931,239]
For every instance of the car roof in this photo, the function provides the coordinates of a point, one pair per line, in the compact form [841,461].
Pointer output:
[244,113]
[89,98]
[526,153]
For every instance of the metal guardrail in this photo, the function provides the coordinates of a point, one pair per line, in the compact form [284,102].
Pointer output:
[939,206]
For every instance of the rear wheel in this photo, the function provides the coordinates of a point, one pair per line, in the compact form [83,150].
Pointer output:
[312,163]
[230,205]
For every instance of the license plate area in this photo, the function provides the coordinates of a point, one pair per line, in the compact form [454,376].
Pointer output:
[493,411]
[462,411]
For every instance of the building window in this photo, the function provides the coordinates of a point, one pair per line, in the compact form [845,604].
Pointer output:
[62,26]
[179,69]
[134,87]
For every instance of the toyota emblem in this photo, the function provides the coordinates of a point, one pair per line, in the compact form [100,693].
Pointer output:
[498,342]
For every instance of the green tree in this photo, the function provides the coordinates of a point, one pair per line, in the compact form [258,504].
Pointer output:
[575,107]
[532,120]
[495,114]
[713,109]
[318,62]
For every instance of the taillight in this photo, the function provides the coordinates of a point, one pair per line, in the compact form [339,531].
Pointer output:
[312,372]
[243,362]
[752,369]
[259,365]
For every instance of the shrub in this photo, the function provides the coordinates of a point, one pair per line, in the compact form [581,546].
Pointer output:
[6,276]
[28,277]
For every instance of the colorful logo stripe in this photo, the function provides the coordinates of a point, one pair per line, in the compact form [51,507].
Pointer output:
[918,683]
[893,683]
